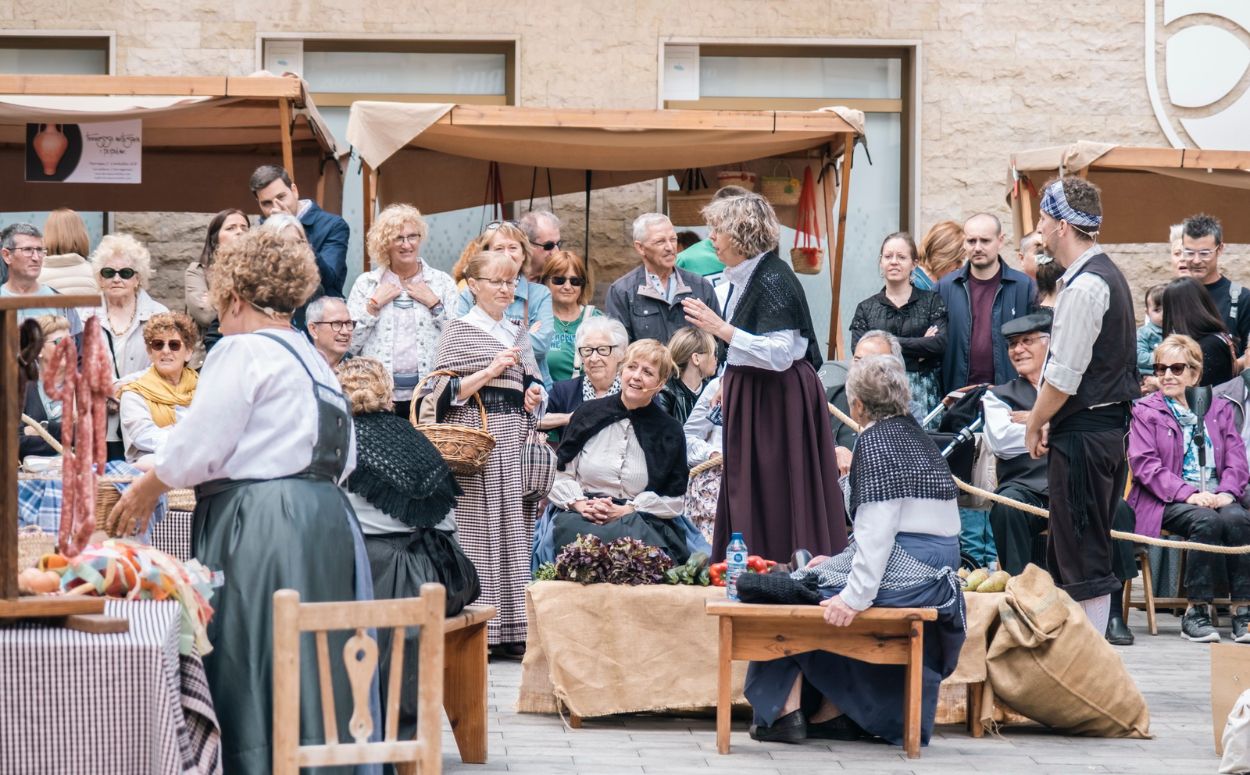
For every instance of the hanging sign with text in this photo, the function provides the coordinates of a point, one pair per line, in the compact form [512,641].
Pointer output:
[105,152]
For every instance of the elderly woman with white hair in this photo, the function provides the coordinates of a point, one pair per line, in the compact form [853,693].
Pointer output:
[402,306]
[600,348]
[904,554]
[123,268]
[780,470]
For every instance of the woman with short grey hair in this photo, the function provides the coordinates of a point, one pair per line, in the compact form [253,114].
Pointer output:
[905,554]
[600,347]
[776,422]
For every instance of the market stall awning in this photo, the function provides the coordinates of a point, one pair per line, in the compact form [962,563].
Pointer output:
[1144,190]
[201,136]
[437,156]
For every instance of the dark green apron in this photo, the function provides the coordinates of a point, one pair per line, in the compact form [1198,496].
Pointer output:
[266,535]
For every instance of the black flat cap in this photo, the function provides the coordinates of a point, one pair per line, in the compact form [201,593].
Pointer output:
[1037,321]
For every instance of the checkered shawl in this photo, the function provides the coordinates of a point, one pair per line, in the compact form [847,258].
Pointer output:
[1055,204]
[895,459]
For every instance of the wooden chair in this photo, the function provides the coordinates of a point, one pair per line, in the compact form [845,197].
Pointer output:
[1150,603]
[883,636]
[360,657]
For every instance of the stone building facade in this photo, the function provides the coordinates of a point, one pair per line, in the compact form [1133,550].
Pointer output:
[990,77]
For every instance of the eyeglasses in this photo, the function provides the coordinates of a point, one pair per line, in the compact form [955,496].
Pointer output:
[576,282]
[32,251]
[1202,254]
[512,283]
[174,345]
[603,350]
[108,273]
[549,245]
[1025,341]
[407,239]
[1177,369]
[337,325]
[899,257]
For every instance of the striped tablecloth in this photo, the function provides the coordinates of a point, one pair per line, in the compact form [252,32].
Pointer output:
[75,702]
[172,535]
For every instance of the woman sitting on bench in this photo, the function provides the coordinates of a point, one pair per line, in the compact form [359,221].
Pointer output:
[904,554]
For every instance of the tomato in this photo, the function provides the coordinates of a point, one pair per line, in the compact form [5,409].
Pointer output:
[717,573]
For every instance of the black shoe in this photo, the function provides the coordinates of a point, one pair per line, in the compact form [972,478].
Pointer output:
[1241,624]
[837,728]
[790,728]
[1118,633]
[1196,625]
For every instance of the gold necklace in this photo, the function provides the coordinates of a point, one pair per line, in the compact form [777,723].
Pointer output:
[126,327]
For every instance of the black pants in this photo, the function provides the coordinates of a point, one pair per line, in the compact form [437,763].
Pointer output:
[1227,526]
[1078,553]
[1016,531]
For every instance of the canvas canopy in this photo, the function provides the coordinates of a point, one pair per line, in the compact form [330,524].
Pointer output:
[1144,190]
[202,138]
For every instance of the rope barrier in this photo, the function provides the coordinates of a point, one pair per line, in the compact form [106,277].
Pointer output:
[1044,514]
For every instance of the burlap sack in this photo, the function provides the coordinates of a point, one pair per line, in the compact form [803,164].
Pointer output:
[1049,663]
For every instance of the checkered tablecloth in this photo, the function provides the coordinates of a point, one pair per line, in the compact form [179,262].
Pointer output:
[39,500]
[172,535]
[75,702]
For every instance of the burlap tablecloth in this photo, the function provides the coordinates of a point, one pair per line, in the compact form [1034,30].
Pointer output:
[602,649]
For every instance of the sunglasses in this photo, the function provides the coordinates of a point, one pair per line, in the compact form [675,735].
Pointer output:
[576,282]
[173,345]
[496,224]
[549,245]
[1177,369]
[108,273]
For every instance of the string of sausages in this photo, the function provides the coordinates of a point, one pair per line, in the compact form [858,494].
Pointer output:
[84,429]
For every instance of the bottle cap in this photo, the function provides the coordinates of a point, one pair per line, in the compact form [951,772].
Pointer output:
[735,537]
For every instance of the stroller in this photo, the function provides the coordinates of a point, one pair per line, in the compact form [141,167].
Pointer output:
[958,418]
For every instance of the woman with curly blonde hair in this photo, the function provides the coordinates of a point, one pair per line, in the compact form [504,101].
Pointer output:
[531,305]
[401,307]
[780,475]
[266,443]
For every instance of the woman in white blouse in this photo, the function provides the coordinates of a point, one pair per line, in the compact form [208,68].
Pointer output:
[622,463]
[905,554]
[266,442]
[154,400]
[780,482]
[123,268]
[401,307]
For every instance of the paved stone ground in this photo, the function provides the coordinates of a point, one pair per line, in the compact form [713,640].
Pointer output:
[1173,674]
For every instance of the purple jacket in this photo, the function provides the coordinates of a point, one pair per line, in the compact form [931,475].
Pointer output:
[1155,457]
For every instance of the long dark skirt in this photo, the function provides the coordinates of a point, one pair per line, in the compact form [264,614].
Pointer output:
[401,563]
[265,536]
[779,486]
[872,695]
[662,533]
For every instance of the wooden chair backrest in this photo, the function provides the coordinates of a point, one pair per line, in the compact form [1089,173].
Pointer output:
[360,658]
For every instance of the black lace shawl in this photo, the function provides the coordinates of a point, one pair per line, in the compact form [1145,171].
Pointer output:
[400,472]
[661,437]
[773,300]
[894,459]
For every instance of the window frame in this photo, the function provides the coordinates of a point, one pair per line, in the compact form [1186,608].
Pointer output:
[53,36]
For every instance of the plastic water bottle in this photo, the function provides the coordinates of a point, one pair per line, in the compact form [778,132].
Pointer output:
[736,557]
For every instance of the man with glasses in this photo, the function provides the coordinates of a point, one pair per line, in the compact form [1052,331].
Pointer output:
[331,326]
[648,300]
[542,228]
[1202,244]
[22,251]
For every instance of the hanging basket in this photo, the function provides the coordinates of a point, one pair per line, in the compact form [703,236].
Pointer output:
[685,207]
[781,190]
[807,256]
[740,178]
[465,449]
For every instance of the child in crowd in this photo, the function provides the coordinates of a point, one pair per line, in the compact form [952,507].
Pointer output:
[1148,338]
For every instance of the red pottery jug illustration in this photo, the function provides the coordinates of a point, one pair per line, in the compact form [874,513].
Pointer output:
[50,145]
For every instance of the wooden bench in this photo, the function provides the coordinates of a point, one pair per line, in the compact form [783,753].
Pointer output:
[883,636]
[465,683]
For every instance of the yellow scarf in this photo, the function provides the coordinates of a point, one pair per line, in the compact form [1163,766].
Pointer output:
[163,397]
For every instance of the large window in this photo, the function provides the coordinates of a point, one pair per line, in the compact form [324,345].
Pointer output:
[875,79]
[341,71]
[57,53]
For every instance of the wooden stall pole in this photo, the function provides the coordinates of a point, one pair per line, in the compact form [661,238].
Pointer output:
[369,194]
[1025,203]
[10,419]
[284,118]
[835,269]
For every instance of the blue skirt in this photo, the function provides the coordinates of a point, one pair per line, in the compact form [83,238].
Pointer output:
[872,695]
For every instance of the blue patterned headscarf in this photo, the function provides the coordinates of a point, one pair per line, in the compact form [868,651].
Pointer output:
[1055,204]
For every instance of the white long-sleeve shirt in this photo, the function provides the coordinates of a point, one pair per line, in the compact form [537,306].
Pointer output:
[703,437]
[254,415]
[876,525]
[1004,437]
[1079,311]
[776,350]
[140,432]
[612,463]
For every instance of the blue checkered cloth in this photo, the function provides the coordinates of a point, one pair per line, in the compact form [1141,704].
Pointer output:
[39,500]
[1055,204]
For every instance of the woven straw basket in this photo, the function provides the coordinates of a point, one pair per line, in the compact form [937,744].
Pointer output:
[33,543]
[465,449]
[781,189]
[740,178]
[687,209]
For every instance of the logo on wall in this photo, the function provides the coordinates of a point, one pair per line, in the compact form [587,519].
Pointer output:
[1198,71]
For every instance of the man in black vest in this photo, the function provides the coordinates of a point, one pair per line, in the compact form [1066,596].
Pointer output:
[1082,409]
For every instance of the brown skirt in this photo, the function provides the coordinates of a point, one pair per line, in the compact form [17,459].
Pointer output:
[780,482]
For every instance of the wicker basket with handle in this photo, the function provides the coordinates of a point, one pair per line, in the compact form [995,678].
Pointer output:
[465,449]
[781,189]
